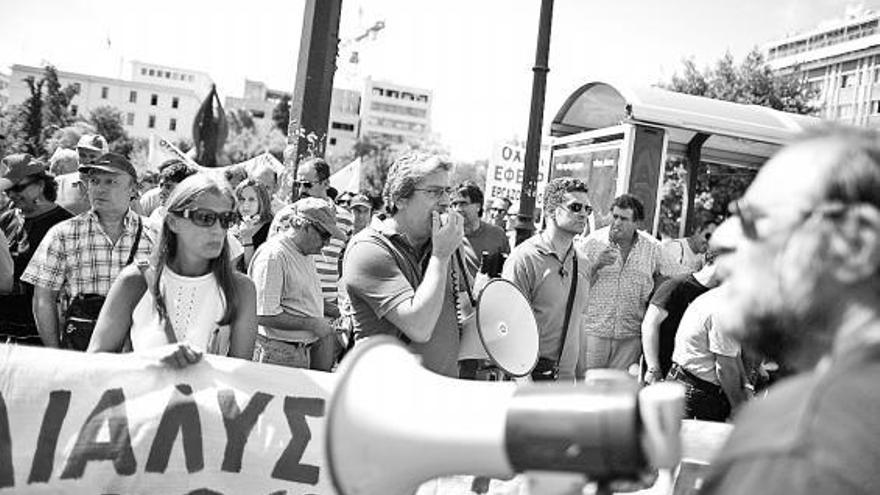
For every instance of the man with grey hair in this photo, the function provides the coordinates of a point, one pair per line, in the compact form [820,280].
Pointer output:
[290,309]
[801,256]
[397,271]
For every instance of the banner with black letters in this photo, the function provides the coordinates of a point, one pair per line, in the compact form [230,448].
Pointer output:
[123,423]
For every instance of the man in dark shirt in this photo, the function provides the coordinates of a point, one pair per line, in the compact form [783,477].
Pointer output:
[801,261]
[664,313]
[32,192]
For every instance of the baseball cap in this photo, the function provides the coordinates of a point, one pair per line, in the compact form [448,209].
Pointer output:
[94,142]
[18,167]
[318,211]
[111,162]
[360,200]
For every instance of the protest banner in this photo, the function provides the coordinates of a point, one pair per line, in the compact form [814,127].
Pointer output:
[504,175]
[122,423]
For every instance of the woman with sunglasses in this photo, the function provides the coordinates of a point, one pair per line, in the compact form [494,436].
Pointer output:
[255,211]
[189,292]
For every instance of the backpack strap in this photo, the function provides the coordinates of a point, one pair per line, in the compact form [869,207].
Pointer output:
[149,275]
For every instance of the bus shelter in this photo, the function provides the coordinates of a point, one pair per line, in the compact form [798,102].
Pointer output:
[618,139]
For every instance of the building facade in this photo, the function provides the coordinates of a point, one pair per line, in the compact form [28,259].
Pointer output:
[840,60]
[344,127]
[147,107]
[395,112]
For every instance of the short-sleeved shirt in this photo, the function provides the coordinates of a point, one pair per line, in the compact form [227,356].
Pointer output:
[674,296]
[546,280]
[327,261]
[818,432]
[286,282]
[488,238]
[680,252]
[77,254]
[700,338]
[619,295]
[375,284]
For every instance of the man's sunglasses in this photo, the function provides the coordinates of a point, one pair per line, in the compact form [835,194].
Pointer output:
[207,218]
[21,186]
[324,233]
[303,184]
[579,207]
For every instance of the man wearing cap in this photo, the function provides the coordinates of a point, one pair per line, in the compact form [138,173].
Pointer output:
[290,308]
[84,254]
[313,180]
[72,192]
[362,210]
[32,192]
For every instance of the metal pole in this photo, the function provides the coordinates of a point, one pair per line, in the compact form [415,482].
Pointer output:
[313,89]
[525,221]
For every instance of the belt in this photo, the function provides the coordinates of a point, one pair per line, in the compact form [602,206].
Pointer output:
[676,372]
[286,342]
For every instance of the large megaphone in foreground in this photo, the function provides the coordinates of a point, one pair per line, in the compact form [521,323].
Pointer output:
[393,425]
[505,331]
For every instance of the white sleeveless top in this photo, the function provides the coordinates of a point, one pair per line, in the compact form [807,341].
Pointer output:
[194,306]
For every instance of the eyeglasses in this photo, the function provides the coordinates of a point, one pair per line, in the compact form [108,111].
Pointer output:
[749,215]
[579,207]
[461,204]
[207,218]
[436,191]
[498,210]
[303,184]
[21,186]
[324,233]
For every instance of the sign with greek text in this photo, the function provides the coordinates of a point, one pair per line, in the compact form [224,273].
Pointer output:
[504,175]
[122,423]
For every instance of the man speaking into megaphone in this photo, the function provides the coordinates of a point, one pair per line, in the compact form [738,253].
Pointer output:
[397,271]
[556,280]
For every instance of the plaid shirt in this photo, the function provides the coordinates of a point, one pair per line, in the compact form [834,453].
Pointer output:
[620,294]
[78,256]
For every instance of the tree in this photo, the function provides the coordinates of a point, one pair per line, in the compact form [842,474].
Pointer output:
[281,113]
[30,119]
[42,113]
[56,101]
[751,82]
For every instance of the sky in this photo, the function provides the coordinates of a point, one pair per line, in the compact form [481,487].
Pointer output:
[475,55]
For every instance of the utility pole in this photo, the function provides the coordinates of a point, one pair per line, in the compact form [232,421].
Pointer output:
[525,224]
[313,89]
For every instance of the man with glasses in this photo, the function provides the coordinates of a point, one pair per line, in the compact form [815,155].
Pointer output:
[290,307]
[32,192]
[398,272]
[498,211]
[620,292]
[313,181]
[72,187]
[83,255]
[556,280]
[801,257]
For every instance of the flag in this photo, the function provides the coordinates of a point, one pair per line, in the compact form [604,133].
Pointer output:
[348,178]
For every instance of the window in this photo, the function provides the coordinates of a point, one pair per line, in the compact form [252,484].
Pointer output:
[190,78]
[74,110]
[342,126]
[154,99]
[172,125]
[151,122]
[105,91]
[152,72]
[78,87]
[129,119]
[378,92]
[167,75]
[175,102]
[392,93]
[143,71]
[875,107]
[332,141]
[846,80]
[258,114]
[132,96]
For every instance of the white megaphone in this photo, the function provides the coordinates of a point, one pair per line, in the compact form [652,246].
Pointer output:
[505,331]
[393,425]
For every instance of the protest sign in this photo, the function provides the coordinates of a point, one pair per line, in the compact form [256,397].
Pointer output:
[122,423]
[504,175]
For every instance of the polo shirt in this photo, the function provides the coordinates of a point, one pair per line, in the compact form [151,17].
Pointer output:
[488,238]
[545,280]
[375,284]
[327,262]
[286,282]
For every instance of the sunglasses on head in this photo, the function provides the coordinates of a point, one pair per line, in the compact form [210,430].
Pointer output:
[579,207]
[207,218]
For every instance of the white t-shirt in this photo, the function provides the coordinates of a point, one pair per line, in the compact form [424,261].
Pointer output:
[194,306]
[699,338]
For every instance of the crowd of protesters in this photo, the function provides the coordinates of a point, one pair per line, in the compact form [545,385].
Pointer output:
[94,257]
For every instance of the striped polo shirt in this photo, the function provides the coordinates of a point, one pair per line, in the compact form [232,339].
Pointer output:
[327,262]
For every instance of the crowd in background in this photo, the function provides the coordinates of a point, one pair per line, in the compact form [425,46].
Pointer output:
[96,257]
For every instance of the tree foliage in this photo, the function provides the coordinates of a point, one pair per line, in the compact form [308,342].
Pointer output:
[281,114]
[46,110]
[749,82]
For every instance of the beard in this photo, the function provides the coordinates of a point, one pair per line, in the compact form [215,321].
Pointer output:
[788,312]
